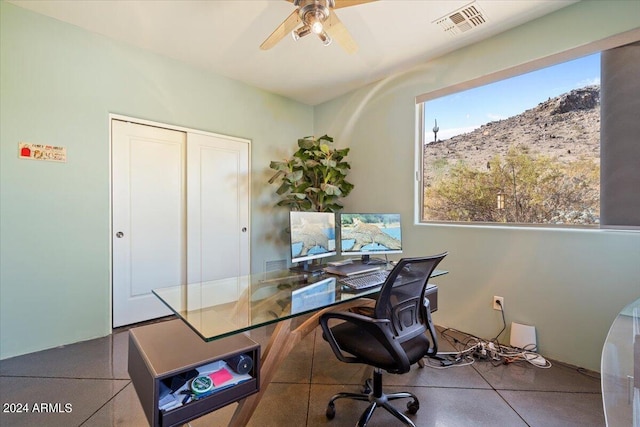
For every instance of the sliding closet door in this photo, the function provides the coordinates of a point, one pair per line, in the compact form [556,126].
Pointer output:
[180,215]
[217,216]
[149,218]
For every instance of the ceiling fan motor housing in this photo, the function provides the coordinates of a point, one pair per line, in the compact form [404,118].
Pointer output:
[311,11]
[326,3]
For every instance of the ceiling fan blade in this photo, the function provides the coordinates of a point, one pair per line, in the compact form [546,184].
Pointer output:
[348,3]
[285,28]
[339,33]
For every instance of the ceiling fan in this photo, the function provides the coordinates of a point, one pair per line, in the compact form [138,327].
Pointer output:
[317,17]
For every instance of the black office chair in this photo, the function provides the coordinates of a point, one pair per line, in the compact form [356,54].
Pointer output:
[392,339]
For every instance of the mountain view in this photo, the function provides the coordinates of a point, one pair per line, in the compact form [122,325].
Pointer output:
[565,129]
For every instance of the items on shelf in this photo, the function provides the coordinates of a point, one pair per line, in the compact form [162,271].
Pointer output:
[203,381]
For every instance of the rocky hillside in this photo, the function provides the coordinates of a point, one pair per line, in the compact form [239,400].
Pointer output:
[566,127]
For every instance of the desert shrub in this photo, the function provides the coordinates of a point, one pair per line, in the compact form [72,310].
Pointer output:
[536,190]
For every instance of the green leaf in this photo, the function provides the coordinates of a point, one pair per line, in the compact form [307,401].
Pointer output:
[346,188]
[328,163]
[342,152]
[284,187]
[284,202]
[305,205]
[333,207]
[280,166]
[274,177]
[331,190]
[306,143]
[295,175]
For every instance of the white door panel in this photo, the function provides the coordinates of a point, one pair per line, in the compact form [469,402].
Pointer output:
[157,215]
[148,211]
[217,206]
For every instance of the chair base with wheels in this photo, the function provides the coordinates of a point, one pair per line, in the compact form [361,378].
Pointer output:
[377,398]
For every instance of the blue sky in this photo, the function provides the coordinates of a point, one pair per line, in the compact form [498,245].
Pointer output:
[463,112]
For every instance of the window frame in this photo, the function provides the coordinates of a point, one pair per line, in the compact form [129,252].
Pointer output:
[507,73]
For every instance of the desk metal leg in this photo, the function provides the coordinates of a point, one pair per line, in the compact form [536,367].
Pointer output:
[282,341]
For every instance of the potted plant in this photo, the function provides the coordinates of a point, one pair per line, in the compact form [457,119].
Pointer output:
[313,179]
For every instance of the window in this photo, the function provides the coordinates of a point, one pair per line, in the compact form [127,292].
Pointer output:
[524,150]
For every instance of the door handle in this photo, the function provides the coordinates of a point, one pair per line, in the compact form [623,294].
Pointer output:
[119,234]
[244,229]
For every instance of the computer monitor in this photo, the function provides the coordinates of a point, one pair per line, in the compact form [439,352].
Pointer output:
[313,236]
[370,234]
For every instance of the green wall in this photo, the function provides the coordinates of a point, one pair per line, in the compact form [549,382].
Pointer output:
[58,84]
[570,284]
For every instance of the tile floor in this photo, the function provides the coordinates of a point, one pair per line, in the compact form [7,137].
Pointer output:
[92,378]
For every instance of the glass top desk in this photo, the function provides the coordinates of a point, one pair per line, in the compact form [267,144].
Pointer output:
[224,307]
[220,308]
[620,369]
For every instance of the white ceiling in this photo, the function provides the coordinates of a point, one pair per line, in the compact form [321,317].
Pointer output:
[224,37]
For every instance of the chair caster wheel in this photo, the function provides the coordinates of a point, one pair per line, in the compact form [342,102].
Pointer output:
[331,411]
[412,407]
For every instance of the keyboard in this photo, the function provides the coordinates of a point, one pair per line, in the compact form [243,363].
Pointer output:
[365,281]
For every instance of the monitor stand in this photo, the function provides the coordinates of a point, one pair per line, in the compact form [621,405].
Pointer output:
[366,259]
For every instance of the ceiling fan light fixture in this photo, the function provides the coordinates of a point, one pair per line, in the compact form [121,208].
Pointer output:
[326,40]
[314,20]
[317,27]
[301,32]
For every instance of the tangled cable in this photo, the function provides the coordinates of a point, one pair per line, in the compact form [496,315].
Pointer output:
[470,348]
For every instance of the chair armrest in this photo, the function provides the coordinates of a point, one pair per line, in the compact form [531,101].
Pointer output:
[432,329]
[380,329]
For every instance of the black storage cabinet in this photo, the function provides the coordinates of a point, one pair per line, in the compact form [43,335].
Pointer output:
[163,350]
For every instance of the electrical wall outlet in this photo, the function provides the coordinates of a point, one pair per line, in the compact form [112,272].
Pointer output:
[497,306]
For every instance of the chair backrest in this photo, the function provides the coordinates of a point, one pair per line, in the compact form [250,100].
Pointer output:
[402,296]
